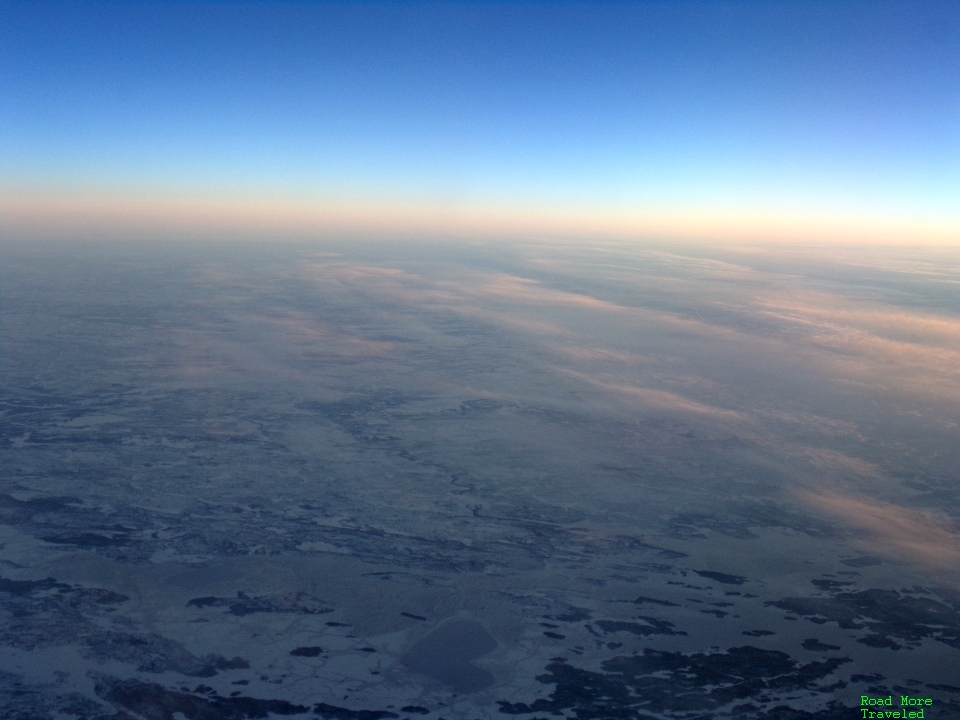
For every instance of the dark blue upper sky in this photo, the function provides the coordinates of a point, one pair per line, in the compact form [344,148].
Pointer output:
[829,107]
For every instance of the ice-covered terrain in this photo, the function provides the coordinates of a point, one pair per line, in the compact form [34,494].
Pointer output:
[471,481]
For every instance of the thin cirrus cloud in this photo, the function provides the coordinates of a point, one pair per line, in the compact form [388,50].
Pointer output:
[930,539]
[611,359]
[897,351]
[906,354]
[511,320]
[646,399]
[515,304]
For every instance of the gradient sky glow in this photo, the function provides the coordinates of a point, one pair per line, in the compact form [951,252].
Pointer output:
[704,118]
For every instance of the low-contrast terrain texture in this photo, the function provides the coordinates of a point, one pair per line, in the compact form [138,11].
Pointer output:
[472,481]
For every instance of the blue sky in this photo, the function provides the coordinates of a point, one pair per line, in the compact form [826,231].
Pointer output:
[829,109]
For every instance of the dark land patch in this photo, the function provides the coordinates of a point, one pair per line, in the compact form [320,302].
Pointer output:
[666,603]
[332,712]
[722,577]
[27,587]
[158,703]
[15,512]
[662,682]
[650,626]
[244,604]
[19,701]
[944,688]
[88,540]
[826,584]
[312,651]
[715,613]
[574,614]
[835,710]
[156,654]
[45,613]
[888,614]
[815,645]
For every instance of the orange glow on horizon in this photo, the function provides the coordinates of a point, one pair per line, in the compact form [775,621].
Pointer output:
[79,215]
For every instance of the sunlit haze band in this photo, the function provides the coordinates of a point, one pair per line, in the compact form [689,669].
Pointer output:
[35,215]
